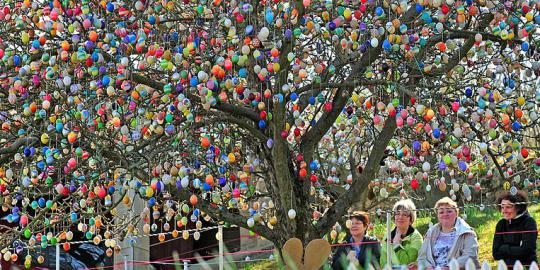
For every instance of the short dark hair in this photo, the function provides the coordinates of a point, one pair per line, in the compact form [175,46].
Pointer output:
[519,200]
[360,215]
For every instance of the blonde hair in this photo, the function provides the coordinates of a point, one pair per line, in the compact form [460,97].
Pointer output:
[406,206]
[446,201]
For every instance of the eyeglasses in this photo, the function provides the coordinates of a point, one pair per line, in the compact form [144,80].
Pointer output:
[507,206]
[441,211]
[402,213]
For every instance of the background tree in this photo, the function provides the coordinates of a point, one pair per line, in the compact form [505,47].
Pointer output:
[272,115]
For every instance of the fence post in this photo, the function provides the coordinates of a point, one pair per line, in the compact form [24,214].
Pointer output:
[57,257]
[220,232]
[125,262]
[388,239]
[186,266]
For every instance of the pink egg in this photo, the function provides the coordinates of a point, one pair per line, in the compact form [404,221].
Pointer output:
[410,121]
[24,220]
[399,122]
[376,119]
[87,23]
[403,114]
[72,163]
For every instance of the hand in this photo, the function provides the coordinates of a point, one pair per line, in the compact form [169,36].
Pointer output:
[352,258]
[412,266]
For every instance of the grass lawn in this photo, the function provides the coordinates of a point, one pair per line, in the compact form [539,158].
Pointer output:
[482,221]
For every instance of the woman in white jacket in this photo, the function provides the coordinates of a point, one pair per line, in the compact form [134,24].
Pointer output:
[451,238]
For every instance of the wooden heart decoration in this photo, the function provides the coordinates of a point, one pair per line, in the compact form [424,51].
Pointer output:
[316,254]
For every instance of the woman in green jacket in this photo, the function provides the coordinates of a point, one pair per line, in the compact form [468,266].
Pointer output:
[405,241]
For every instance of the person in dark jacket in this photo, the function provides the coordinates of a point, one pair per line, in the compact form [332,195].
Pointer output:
[359,249]
[515,234]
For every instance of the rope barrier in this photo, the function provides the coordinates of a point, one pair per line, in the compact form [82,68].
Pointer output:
[380,211]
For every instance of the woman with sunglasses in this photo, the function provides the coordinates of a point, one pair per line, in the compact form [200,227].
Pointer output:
[516,233]
[405,239]
[451,238]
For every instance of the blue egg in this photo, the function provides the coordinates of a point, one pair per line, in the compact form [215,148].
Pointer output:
[73,217]
[193,82]
[206,187]
[242,73]
[331,26]
[379,11]
[416,146]
[262,124]
[294,96]
[269,17]
[106,80]
[41,165]
[419,8]
[525,46]
[110,7]
[279,97]
[41,202]
[312,100]
[36,44]
[49,160]
[27,151]
[111,189]
[152,20]
[481,103]
[511,83]
[249,30]
[442,166]
[436,133]
[468,92]
[151,201]
[386,45]
[516,126]
[222,181]
[59,127]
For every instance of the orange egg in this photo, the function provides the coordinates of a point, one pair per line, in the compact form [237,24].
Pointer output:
[65,45]
[116,122]
[441,46]
[72,137]
[193,199]
[205,142]
[42,40]
[518,113]
[505,119]
[425,146]
[209,180]
[93,36]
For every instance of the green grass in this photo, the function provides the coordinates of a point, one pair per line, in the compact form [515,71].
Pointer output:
[482,221]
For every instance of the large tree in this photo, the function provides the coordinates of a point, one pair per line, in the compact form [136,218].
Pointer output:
[246,112]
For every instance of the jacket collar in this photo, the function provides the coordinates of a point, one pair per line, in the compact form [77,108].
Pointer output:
[410,231]
[461,227]
[519,217]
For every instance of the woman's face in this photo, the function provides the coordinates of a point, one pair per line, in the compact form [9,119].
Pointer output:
[447,215]
[358,228]
[508,210]
[402,218]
